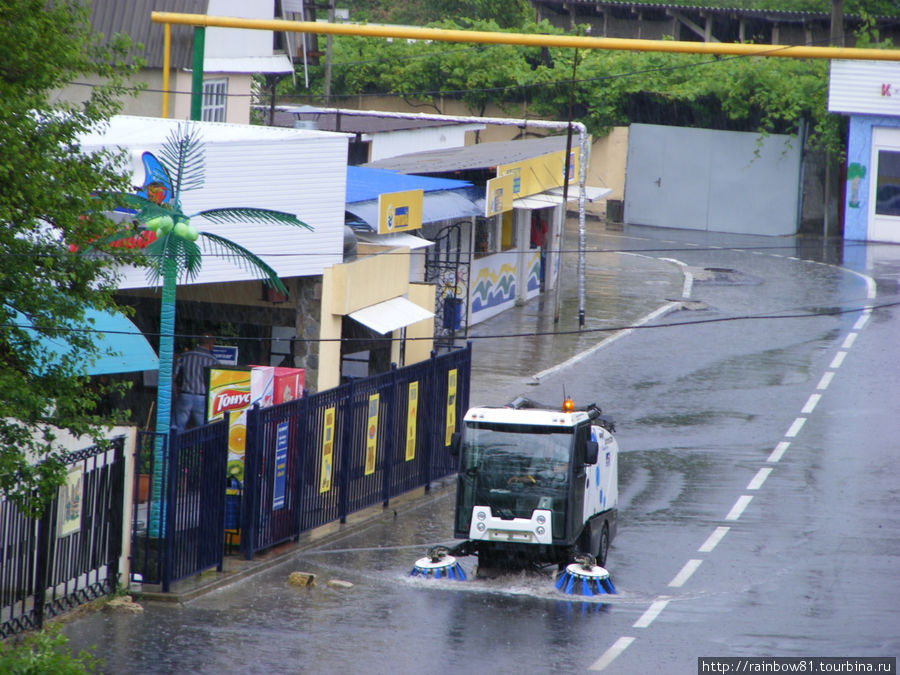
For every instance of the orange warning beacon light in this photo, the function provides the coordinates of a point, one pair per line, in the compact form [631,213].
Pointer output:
[568,405]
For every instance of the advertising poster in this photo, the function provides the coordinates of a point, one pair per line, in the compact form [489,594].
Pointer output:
[411,406]
[327,451]
[70,501]
[371,435]
[280,478]
[451,406]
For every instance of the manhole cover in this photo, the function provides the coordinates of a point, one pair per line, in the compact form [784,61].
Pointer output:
[725,276]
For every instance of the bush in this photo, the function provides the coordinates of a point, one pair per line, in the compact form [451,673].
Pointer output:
[42,652]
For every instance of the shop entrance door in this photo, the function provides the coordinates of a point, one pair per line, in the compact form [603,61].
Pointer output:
[884,188]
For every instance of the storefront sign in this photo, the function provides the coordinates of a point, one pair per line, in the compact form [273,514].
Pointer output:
[400,211]
[499,195]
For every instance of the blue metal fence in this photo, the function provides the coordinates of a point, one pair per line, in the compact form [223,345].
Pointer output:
[71,554]
[307,462]
[315,460]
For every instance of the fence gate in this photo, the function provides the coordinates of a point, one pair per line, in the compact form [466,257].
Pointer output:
[447,267]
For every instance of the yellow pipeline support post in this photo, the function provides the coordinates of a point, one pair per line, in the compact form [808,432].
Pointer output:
[167,50]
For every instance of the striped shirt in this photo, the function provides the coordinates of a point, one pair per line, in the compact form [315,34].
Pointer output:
[190,370]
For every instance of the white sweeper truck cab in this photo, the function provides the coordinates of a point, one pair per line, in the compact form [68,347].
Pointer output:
[536,486]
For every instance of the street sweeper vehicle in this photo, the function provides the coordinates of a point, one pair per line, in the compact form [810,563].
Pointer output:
[536,486]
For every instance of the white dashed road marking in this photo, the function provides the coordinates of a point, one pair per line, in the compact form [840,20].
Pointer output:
[713,539]
[689,568]
[759,478]
[610,654]
[738,507]
[796,427]
[778,451]
[652,612]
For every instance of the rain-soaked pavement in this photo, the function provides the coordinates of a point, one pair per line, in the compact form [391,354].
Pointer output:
[758,497]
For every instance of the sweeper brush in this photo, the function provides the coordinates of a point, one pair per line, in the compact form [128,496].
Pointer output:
[584,577]
[438,564]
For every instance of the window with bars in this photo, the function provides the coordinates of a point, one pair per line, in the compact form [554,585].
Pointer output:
[215,94]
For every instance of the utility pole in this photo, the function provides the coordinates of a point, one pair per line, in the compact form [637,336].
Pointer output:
[836,40]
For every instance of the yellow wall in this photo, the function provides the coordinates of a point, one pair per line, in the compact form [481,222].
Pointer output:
[350,286]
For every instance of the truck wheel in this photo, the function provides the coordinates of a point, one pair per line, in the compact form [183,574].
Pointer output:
[603,548]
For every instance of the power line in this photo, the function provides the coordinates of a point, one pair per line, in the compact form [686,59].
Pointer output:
[785,314]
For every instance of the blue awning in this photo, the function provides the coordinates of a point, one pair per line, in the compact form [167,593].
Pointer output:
[123,348]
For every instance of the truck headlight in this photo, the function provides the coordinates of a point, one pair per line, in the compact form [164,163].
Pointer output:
[542,519]
[480,527]
[482,515]
[540,530]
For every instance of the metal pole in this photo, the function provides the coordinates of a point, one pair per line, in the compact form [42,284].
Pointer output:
[532,39]
[167,64]
[197,74]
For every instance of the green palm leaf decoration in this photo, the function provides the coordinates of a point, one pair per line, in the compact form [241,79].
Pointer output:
[168,240]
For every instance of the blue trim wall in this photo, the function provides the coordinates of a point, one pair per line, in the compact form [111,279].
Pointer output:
[859,153]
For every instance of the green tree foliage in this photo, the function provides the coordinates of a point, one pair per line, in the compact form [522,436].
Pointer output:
[47,202]
[611,88]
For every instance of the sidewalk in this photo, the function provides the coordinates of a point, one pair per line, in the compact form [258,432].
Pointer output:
[621,290]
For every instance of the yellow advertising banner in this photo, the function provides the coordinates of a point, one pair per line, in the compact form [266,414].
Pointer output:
[537,174]
[411,407]
[371,435]
[327,451]
[498,195]
[451,406]
[229,391]
[400,211]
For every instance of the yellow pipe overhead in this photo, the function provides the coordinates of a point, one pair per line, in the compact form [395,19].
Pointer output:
[529,39]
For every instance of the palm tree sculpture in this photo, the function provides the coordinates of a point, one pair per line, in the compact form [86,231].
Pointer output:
[168,237]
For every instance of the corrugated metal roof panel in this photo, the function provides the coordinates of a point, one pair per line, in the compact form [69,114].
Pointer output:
[479,156]
[132,18]
[869,87]
[365,183]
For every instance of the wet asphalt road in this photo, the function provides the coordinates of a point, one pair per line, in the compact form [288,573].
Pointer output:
[758,504]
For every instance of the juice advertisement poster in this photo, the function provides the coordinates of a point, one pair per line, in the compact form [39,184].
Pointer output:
[229,391]
[287,383]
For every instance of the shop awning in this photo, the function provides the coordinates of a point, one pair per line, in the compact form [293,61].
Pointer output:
[390,315]
[395,239]
[554,197]
[123,348]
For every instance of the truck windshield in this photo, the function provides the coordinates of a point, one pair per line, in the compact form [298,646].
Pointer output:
[516,469]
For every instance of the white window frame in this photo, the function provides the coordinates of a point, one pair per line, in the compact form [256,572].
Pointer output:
[215,100]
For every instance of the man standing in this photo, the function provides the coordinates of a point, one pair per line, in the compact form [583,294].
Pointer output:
[191,380]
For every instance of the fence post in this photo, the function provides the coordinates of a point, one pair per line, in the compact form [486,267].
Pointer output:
[170,467]
[302,448]
[346,440]
[250,495]
[390,436]
[434,414]
[44,527]
[116,508]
